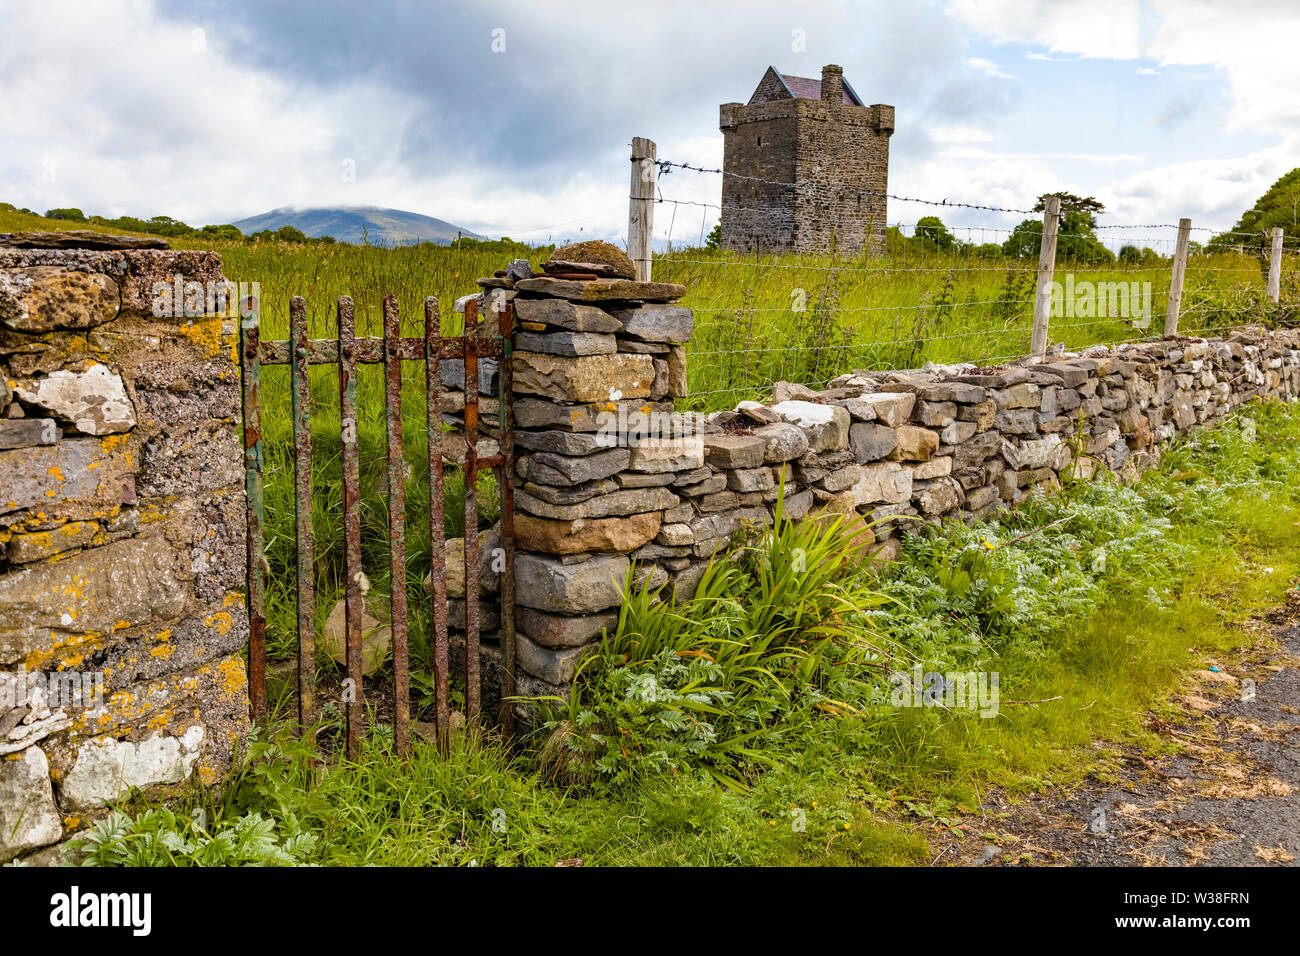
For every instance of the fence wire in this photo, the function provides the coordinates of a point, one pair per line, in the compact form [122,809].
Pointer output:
[947,294]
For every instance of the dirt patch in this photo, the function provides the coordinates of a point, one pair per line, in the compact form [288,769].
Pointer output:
[1229,797]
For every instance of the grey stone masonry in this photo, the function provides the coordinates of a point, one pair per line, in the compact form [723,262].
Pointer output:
[886,450]
[121,528]
[613,484]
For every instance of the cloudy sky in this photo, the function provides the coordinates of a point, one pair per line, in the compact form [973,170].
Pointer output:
[515,118]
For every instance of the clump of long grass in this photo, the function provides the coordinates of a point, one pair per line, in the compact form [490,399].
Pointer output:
[775,633]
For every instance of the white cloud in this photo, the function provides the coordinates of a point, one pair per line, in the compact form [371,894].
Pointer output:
[146,124]
[1103,158]
[987,67]
[959,134]
[134,120]
[1090,28]
[1250,44]
[1212,192]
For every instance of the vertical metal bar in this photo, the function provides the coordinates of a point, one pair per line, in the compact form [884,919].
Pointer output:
[397,526]
[470,473]
[302,512]
[506,489]
[351,520]
[251,380]
[437,532]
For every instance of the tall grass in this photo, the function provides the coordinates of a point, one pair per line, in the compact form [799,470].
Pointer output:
[801,318]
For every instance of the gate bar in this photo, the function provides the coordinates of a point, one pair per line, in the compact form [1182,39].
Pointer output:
[396,527]
[470,474]
[306,592]
[351,522]
[251,381]
[437,533]
[369,351]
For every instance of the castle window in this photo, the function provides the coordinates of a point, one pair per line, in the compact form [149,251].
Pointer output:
[760,141]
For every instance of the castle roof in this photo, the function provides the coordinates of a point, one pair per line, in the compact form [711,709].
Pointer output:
[786,86]
[807,88]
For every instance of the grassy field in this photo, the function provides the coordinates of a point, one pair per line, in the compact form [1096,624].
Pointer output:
[797,318]
[899,312]
[1111,604]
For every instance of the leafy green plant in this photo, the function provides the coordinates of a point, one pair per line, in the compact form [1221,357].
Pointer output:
[161,837]
[773,634]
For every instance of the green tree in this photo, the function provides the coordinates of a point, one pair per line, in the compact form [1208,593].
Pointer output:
[71,215]
[1076,239]
[715,237]
[932,231]
[226,232]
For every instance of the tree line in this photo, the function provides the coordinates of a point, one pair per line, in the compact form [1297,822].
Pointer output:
[173,228]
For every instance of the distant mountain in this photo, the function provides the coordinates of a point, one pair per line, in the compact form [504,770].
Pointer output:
[384,227]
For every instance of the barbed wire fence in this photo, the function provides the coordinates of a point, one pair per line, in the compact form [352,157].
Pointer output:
[915,292]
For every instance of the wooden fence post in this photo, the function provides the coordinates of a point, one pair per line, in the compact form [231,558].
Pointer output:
[1275,266]
[641,206]
[1046,266]
[1176,278]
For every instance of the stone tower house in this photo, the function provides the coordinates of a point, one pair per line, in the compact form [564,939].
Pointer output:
[818,135]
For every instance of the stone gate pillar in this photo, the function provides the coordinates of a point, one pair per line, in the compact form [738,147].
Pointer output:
[121,528]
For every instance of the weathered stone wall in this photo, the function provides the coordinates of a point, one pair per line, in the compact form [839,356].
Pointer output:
[121,529]
[609,474]
[837,153]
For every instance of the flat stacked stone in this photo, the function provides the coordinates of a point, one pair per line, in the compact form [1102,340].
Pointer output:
[598,359]
[601,359]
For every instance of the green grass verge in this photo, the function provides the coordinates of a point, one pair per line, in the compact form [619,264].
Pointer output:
[1091,622]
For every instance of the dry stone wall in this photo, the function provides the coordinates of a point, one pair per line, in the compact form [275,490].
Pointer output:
[611,477]
[121,529]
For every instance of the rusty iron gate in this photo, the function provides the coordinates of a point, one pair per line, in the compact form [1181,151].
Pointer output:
[347,352]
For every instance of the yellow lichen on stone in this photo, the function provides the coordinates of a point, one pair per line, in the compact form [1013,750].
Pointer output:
[233,679]
[220,621]
[205,333]
[109,442]
[60,649]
